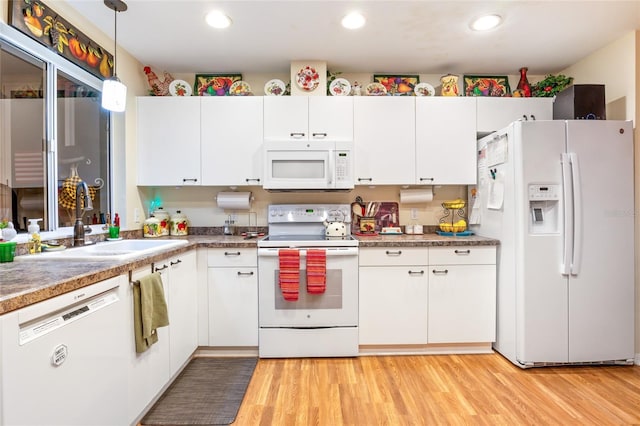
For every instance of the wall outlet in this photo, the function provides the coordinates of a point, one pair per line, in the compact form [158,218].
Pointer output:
[136,215]
[414,214]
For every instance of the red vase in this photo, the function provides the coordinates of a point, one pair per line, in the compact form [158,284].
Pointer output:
[523,84]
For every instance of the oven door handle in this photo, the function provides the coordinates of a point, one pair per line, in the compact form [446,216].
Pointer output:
[331,251]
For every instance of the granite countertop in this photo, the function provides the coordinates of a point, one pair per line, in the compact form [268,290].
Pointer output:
[25,282]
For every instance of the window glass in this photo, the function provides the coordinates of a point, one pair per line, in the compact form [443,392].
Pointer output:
[23,165]
[83,150]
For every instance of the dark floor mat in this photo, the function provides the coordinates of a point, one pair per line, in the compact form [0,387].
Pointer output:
[209,391]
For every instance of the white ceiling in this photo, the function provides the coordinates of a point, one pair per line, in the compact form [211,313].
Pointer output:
[420,36]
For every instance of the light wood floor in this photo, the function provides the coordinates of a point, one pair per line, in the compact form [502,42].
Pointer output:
[435,390]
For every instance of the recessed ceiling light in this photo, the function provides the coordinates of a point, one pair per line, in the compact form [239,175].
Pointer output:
[486,22]
[353,21]
[217,19]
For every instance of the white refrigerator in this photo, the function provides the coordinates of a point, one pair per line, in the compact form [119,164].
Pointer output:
[559,195]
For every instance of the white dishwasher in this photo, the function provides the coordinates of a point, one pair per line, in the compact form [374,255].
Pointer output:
[63,360]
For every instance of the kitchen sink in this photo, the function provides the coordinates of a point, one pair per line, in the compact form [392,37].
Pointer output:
[108,250]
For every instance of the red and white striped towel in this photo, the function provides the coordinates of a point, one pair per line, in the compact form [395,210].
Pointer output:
[289,273]
[316,271]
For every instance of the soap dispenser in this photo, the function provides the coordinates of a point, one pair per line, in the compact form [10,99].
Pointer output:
[33,227]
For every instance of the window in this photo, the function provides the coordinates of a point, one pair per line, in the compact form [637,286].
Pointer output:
[53,133]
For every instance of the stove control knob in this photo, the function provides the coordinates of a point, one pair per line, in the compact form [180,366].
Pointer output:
[273,212]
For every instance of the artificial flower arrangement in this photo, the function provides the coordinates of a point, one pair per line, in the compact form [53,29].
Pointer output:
[550,85]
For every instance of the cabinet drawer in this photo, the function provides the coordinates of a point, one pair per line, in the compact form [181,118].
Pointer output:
[462,255]
[393,256]
[232,257]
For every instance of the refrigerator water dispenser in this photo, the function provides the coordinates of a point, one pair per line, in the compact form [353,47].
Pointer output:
[544,205]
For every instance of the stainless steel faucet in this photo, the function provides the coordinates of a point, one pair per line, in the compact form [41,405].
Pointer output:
[79,229]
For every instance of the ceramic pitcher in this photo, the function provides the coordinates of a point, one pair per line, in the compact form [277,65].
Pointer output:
[449,85]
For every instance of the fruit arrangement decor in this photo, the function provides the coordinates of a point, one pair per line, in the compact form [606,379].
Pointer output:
[45,25]
[550,85]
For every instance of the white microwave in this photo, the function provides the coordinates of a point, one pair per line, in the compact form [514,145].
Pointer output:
[308,165]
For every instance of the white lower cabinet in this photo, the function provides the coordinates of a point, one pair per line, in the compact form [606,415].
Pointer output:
[151,370]
[233,297]
[427,295]
[393,296]
[462,294]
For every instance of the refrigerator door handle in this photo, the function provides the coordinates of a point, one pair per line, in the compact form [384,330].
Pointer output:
[567,200]
[577,214]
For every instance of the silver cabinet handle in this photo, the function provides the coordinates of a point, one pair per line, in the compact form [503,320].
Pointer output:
[394,253]
[416,272]
[440,271]
[245,273]
[176,262]
[462,251]
[319,135]
[232,253]
[429,179]
[252,180]
[367,179]
[297,135]
[162,268]
[189,179]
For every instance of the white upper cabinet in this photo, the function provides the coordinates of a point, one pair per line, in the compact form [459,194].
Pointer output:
[496,113]
[445,140]
[384,140]
[231,140]
[169,140]
[331,118]
[308,118]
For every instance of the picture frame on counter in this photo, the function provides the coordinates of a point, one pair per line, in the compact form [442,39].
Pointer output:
[485,85]
[215,84]
[397,85]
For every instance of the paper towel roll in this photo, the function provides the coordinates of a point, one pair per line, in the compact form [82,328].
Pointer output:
[234,200]
[413,196]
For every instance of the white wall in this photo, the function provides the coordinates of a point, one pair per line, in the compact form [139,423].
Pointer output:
[614,66]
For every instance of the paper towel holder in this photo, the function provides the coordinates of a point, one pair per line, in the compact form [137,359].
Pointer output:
[225,194]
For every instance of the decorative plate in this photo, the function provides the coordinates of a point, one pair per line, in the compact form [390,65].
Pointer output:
[308,79]
[240,88]
[275,87]
[424,89]
[376,89]
[340,87]
[179,88]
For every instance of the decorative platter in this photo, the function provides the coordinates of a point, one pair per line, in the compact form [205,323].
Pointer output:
[179,88]
[275,87]
[424,89]
[376,89]
[340,87]
[308,78]
[240,88]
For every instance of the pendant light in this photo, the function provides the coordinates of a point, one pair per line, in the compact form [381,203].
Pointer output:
[114,92]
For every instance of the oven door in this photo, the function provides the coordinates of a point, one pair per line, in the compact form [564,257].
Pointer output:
[336,307]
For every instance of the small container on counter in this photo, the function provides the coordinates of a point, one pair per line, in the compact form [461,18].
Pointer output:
[150,228]
[179,224]
[7,251]
[163,224]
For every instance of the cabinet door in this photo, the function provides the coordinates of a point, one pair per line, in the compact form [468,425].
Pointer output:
[393,305]
[286,118]
[233,306]
[496,113]
[331,118]
[462,303]
[384,140]
[231,140]
[183,317]
[169,140]
[445,140]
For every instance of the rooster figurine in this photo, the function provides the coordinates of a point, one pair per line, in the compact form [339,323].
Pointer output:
[158,87]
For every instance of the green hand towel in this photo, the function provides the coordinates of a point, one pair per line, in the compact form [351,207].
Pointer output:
[149,310]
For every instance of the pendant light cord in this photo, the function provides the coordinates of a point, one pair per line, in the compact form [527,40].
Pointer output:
[115,41]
